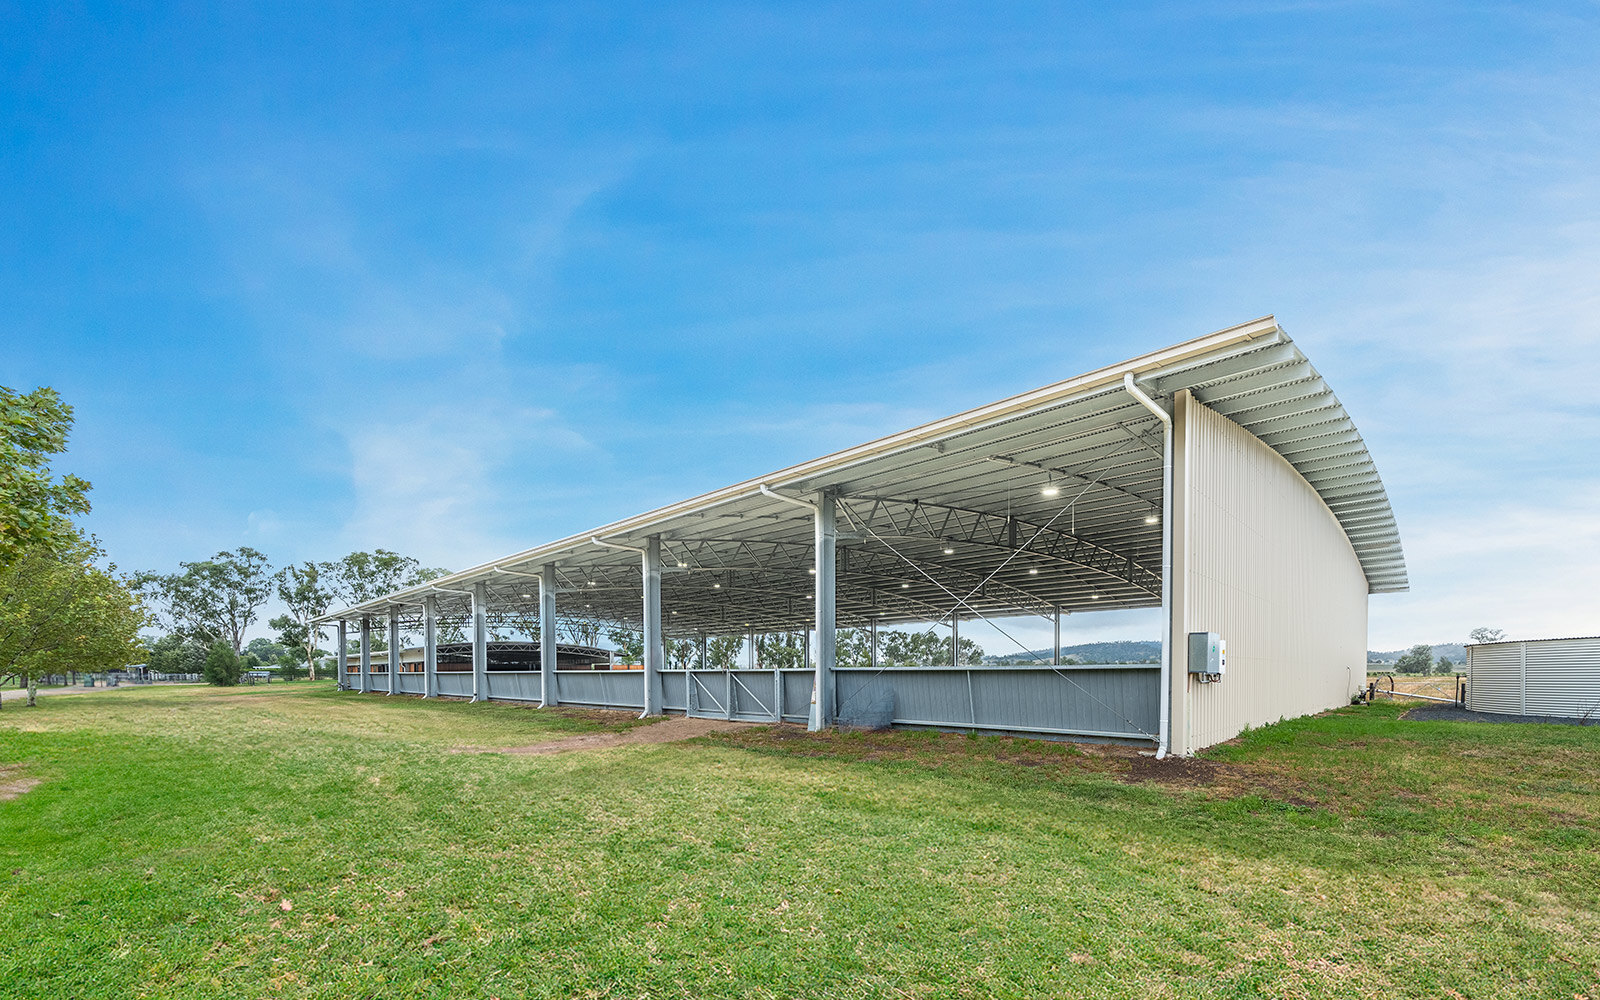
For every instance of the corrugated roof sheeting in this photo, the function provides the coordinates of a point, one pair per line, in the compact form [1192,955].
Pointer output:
[955,507]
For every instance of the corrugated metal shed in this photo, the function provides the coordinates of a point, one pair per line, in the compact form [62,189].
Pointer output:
[955,506]
[1554,677]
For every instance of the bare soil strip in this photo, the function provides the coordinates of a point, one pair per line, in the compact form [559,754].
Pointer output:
[14,783]
[669,731]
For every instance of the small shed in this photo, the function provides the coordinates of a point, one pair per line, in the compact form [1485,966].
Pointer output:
[1553,677]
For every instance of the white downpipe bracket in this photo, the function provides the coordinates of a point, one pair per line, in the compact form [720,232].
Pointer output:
[1164,725]
[807,504]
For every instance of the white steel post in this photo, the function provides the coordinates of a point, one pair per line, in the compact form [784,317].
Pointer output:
[826,538]
[1055,651]
[872,657]
[653,646]
[394,650]
[480,642]
[339,674]
[955,640]
[430,647]
[548,661]
[366,654]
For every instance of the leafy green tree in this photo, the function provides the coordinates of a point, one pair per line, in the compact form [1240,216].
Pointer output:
[60,611]
[629,644]
[1444,666]
[176,654]
[1483,634]
[223,666]
[216,598]
[723,651]
[305,598]
[781,650]
[364,576]
[1416,660]
[36,507]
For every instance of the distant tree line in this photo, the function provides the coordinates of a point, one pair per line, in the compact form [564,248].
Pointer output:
[784,650]
[205,608]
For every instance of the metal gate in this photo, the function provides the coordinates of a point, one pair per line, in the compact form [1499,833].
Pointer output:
[744,695]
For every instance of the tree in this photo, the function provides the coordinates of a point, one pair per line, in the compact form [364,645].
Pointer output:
[216,598]
[175,654]
[363,576]
[223,666]
[1443,666]
[1416,660]
[723,651]
[781,650]
[36,508]
[60,611]
[629,643]
[1482,634]
[305,597]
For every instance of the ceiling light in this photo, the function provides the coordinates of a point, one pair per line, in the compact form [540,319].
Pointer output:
[809,596]
[949,551]
[683,565]
[1094,597]
[716,586]
[1033,571]
[1050,489]
[905,586]
[527,595]
[813,572]
[591,583]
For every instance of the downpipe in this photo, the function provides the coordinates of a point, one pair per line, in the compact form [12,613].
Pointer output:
[1164,726]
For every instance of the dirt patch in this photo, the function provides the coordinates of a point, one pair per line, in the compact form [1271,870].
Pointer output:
[669,731]
[1453,713]
[1130,765]
[14,783]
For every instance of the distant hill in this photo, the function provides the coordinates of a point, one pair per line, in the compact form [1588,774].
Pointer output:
[1149,651]
[1121,651]
[1454,650]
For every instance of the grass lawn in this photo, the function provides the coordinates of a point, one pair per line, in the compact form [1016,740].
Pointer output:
[292,842]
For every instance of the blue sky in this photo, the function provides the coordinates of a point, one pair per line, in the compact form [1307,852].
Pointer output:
[457,281]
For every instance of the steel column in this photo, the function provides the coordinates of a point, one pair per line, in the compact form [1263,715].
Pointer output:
[750,652]
[872,656]
[654,649]
[480,642]
[339,675]
[394,650]
[1055,651]
[366,654]
[430,647]
[827,536]
[548,661]
[955,640]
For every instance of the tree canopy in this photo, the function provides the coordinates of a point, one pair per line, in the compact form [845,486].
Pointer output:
[36,506]
[216,598]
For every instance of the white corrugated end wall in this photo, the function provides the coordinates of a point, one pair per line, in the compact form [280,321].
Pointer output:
[1559,677]
[1262,561]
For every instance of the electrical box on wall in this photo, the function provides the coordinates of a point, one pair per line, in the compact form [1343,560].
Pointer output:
[1208,656]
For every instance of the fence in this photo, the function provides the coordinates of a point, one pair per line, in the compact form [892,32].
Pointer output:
[1104,701]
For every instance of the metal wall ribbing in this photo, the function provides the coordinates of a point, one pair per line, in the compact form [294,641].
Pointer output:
[1555,677]
[1261,560]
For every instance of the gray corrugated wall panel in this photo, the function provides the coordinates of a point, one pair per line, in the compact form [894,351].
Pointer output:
[752,695]
[601,688]
[672,691]
[410,683]
[1494,678]
[1095,701]
[1563,677]
[455,684]
[514,685]
[797,688]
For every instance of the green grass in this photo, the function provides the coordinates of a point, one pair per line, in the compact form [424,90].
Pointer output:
[293,842]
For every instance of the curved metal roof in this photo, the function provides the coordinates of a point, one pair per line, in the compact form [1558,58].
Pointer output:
[954,507]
